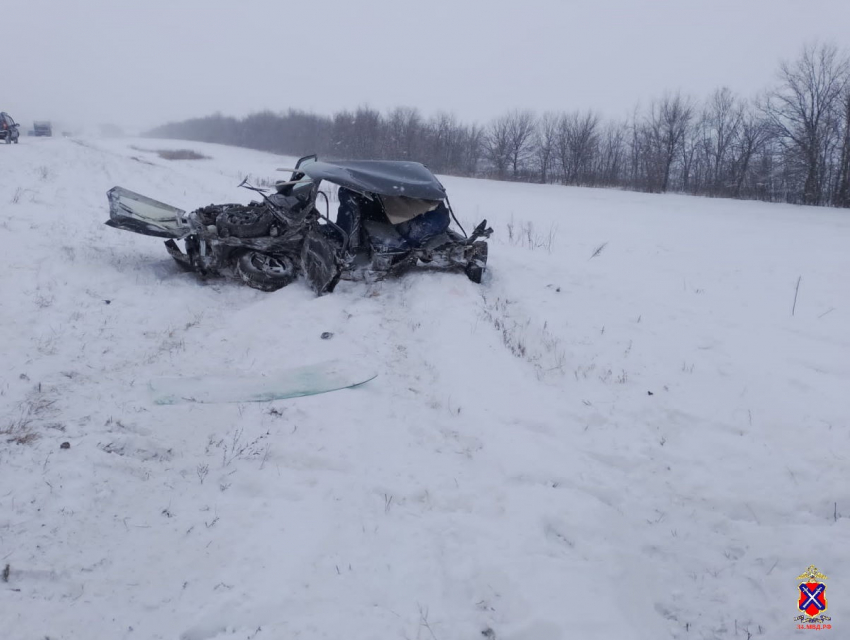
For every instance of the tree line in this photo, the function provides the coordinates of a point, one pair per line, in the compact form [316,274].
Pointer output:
[791,143]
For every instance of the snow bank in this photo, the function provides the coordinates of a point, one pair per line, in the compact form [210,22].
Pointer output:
[623,433]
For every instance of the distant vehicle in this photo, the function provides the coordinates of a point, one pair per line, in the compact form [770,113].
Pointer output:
[42,128]
[8,128]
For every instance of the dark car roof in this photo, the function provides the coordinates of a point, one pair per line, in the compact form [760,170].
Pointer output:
[382,177]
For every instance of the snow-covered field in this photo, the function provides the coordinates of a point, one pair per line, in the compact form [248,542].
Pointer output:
[624,433]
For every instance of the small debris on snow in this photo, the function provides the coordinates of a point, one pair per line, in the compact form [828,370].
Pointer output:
[65,445]
[327,335]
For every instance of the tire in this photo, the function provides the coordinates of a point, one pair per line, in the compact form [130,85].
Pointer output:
[320,260]
[264,272]
[475,268]
[244,222]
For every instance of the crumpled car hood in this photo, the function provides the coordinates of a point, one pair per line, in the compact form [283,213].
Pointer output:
[382,177]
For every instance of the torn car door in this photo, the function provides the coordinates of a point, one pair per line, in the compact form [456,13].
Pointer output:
[137,213]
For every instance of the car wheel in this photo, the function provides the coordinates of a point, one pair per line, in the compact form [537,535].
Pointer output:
[320,259]
[478,262]
[264,272]
[244,222]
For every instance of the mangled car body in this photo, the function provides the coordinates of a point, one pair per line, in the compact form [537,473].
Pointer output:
[391,216]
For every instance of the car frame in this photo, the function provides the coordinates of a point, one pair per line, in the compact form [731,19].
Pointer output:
[268,243]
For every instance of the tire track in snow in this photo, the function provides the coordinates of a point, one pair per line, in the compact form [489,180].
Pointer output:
[483,398]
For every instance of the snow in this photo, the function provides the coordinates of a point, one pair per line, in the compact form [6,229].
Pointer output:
[624,433]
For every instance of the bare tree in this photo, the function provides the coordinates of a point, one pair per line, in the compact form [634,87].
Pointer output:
[611,154]
[842,190]
[445,142]
[667,125]
[341,135]
[403,133]
[638,151]
[577,145]
[366,129]
[497,145]
[545,143]
[472,149]
[584,146]
[803,110]
[721,123]
[521,125]
[752,135]
[691,169]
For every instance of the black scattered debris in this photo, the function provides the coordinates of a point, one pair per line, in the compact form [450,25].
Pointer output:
[327,335]
[65,445]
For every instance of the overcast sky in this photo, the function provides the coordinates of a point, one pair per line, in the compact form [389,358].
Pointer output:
[139,63]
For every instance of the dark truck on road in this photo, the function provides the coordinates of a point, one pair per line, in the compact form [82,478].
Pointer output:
[42,128]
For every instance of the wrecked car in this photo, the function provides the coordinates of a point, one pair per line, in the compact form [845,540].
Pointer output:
[392,216]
